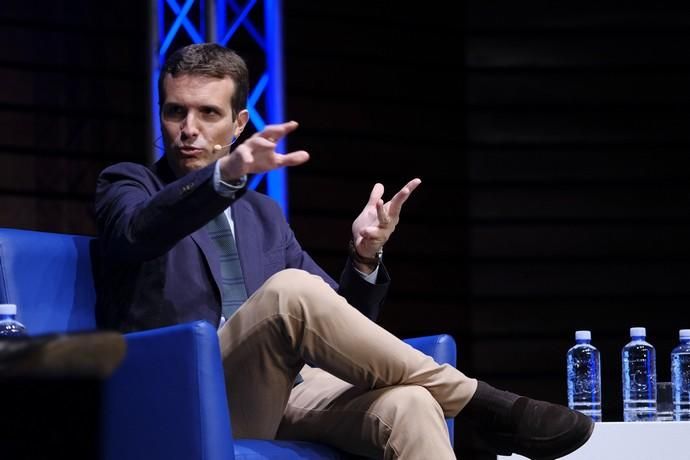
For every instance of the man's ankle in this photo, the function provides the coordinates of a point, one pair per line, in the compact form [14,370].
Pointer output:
[489,407]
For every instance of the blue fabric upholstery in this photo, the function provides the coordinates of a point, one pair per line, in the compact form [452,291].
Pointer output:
[176,405]
[167,400]
[48,276]
[256,449]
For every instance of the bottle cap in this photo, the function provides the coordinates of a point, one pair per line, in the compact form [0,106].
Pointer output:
[638,332]
[583,335]
[8,309]
[684,333]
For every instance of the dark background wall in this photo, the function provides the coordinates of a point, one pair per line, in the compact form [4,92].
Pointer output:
[72,93]
[551,140]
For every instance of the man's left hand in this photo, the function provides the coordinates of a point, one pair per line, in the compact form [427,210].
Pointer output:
[377,221]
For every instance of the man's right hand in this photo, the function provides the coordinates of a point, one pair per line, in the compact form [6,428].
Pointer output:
[257,154]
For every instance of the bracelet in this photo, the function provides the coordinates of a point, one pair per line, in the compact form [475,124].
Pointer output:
[370,261]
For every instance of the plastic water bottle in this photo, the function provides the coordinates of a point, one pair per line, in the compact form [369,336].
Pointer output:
[9,326]
[639,378]
[680,376]
[584,376]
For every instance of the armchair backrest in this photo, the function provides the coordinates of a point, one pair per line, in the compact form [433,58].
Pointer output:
[49,277]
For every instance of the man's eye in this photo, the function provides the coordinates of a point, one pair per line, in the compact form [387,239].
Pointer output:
[174,112]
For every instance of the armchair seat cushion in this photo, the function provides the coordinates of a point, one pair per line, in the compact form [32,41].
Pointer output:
[256,449]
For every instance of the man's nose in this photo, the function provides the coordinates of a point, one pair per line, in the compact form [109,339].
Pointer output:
[189,127]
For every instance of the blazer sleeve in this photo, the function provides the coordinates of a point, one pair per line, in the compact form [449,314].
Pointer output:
[140,218]
[368,298]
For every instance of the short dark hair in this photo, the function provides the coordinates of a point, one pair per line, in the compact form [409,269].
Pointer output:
[211,60]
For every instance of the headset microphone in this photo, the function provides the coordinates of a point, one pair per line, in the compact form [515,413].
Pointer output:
[219,147]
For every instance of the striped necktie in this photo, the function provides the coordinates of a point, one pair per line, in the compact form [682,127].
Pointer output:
[233,291]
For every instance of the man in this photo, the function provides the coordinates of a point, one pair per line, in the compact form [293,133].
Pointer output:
[297,347]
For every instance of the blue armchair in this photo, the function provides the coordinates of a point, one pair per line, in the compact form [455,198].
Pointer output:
[167,400]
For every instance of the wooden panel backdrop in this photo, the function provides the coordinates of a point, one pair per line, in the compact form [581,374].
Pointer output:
[71,102]
[577,141]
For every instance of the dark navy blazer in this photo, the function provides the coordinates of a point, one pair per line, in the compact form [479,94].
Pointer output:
[156,265]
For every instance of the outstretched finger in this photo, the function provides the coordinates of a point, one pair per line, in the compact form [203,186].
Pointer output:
[375,195]
[384,218]
[293,158]
[399,199]
[273,133]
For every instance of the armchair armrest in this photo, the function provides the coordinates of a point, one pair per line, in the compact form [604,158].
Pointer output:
[167,399]
[441,347]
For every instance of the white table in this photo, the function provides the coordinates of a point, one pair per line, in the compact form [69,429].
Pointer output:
[633,441]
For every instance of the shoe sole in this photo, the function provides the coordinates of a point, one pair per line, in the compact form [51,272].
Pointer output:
[571,449]
[484,442]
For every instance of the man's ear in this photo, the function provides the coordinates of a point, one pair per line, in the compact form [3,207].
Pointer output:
[242,119]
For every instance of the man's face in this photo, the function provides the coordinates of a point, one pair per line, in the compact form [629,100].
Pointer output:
[196,115]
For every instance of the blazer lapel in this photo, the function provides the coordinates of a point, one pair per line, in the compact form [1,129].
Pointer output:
[162,169]
[203,241]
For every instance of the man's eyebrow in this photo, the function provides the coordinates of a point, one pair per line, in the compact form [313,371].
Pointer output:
[212,106]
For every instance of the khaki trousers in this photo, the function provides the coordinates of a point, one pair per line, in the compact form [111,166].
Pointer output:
[365,391]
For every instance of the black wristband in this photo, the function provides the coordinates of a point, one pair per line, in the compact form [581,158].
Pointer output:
[370,261]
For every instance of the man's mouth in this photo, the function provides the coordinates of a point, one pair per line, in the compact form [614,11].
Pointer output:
[188,150]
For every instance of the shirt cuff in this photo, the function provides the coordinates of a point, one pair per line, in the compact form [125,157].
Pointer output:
[226,189]
[369,278]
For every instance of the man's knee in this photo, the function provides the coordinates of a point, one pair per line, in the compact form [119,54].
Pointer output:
[292,281]
[297,288]
[284,279]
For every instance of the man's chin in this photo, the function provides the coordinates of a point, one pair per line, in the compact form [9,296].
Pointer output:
[184,166]
[188,166]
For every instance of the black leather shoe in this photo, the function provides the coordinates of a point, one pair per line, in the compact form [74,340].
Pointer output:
[540,430]
[82,354]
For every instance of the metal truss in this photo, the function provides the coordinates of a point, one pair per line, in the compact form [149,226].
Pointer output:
[255,27]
